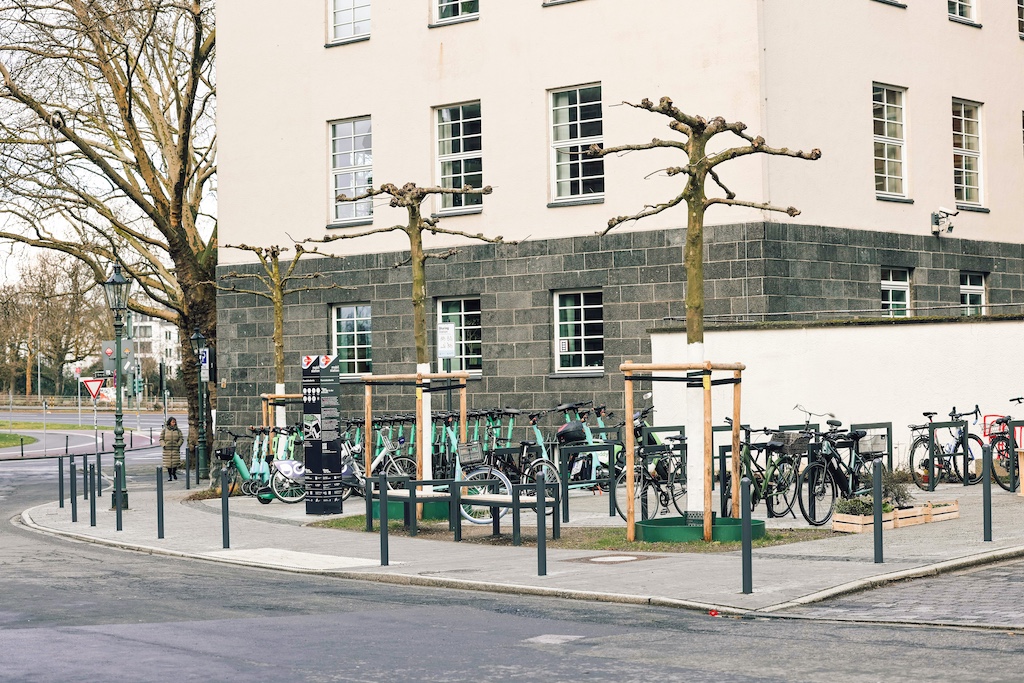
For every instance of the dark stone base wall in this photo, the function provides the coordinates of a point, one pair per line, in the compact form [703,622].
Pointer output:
[750,270]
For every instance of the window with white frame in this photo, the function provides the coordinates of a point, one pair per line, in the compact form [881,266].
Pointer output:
[457,9]
[896,292]
[349,19]
[144,331]
[460,153]
[967,152]
[351,167]
[972,293]
[465,315]
[576,124]
[579,331]
[964,9]
[887,107]
[352,338]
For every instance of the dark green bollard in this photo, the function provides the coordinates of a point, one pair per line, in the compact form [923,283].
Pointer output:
[382,506]
[876,505]
[542,533]
[746,537]
[60,480]
[986,490]
[159,502]
[74,491]
[92,495]
[224,508]
[118,501]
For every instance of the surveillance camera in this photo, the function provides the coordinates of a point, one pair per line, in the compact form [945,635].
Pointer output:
[948,212]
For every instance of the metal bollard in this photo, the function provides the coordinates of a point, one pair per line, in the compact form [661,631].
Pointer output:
[188,477]
[986,490]
[542,532]
[383,508]
[118,502]
[85,477]
[99,474]
[746,536]
[103,441]
[876,505]
[159,502]
[224,508]
[66,441]
[131,439]
[22,447]
[74,491]
[92,495]
[60,480]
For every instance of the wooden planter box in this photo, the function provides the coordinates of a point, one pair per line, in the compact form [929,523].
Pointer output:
[860,524]
[940,514]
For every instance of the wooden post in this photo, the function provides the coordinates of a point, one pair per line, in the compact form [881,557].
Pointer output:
[708,448]
[265,402]
[736,455]
[630,460]
[368,435]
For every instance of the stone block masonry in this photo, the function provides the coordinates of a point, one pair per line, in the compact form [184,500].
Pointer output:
[752,271]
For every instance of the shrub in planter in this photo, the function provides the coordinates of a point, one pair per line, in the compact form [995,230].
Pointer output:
[861,505]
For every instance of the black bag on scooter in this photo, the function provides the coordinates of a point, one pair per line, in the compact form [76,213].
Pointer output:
[570,433]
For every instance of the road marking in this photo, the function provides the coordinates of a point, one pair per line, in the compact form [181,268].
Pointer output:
[288,558]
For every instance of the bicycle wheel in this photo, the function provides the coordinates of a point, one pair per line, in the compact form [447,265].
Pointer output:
[645,492]
[919,463]
[1004,467]
[481,514]
[402,466]
[974,459]
[817,492]
[552,482]
[234,479]
[675,487]
[781,493]
[286,489]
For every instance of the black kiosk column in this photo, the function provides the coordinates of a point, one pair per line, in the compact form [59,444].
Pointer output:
[330,434]
[311,431]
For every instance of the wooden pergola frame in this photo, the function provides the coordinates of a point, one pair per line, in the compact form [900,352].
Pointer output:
[707,367]
[267,399]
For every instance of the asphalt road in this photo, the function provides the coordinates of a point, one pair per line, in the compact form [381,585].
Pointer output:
[74,611]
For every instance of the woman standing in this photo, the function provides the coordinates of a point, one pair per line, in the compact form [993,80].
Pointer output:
[171,439]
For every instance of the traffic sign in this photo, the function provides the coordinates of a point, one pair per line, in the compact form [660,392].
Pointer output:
[78,371]
[93,384]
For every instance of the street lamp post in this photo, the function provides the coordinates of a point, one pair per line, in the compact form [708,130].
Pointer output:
[198,347]
[116,289]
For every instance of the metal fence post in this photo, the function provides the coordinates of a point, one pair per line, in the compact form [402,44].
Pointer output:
[876,504]
[986,489]
[224,507]
[746,536]
[92,495]
[159,502]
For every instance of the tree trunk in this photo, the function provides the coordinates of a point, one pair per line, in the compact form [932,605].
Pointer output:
[278,299]
[419,285]
[693,261]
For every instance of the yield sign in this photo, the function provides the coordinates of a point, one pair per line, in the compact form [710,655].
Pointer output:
[93,384]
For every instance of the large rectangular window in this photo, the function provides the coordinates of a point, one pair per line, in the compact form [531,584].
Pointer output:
[576,124]
[579,332]
[352,338]
[896,292]
[349,19]
[972,293]
[963,9]
[889,140]
[465,315]
[351,167]
[967,152]
[460,153]
[457,9]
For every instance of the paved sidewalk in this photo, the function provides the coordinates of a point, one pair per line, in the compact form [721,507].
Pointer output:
[277,536]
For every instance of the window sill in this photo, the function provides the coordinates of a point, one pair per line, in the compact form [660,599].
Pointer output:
[576,375]
[889,198]
[973,208]
[457,20]
[894,3]
[576,202]
[552,3]
[348,41]
[965,22]
[465,211]
[350,224]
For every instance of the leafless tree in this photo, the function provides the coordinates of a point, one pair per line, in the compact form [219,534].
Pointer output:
[108,147]
[697,133]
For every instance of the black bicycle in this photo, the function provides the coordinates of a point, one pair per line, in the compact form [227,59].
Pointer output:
[830,476]
[947,453]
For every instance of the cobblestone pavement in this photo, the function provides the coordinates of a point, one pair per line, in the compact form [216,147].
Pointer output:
[992,595]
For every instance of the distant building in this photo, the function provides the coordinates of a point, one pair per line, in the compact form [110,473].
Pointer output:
[157,340]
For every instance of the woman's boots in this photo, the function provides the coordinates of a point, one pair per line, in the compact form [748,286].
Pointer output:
[172,474]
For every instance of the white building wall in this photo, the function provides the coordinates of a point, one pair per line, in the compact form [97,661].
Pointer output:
[860,373]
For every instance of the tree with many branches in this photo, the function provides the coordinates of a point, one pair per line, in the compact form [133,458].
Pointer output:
[700,165]
[108,147]
[411,197]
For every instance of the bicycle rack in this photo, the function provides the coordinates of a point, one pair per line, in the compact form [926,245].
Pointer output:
[1011,427]
[887,426]
[563,469]
[932,426]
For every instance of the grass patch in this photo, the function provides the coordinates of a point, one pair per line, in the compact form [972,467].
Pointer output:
[7,440]
[578,538]
[38,426]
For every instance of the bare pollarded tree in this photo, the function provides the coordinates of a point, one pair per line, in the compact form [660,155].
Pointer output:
[108,147]
[278,282]
[697,133]
[411,197]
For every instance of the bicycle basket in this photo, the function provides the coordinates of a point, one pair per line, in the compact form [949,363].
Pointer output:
[793,443]
[225,454]
[874,445]
[471,453]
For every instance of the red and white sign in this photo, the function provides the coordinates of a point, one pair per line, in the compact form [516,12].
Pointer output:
[93,384]
[307,361]
[109,351]
[78,372]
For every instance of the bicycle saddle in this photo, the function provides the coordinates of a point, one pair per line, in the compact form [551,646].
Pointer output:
[766,446]
[929,414]
[511,411]
[564,407]
[856,434]
[999,421]
[676,438]
[834,423]
[527,444]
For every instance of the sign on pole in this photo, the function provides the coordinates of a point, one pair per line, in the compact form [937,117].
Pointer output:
[446,340]
[93,384]
[204,365]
